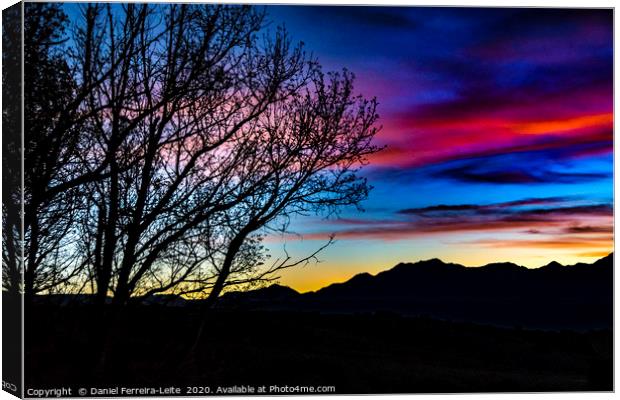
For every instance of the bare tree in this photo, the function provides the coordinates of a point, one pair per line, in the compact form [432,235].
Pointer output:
[188,132]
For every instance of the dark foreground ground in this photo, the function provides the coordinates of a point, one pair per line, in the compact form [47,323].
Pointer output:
[380,353]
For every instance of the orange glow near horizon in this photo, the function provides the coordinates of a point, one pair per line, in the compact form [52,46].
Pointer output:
[339,264]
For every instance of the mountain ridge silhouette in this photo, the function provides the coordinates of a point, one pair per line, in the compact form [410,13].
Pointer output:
[578,296]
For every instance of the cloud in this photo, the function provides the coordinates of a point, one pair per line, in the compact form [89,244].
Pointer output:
[555,216]
[556,159]
[425,144]
[473,173]
[565,243]
[593,209]
[485,207]
[590,229]
[553,160]
[440,207]
[533,201]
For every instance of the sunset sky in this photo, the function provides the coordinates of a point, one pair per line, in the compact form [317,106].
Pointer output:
[498,124]
[499,132]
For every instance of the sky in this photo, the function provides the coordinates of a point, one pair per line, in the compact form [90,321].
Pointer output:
[498,127]
[498,132]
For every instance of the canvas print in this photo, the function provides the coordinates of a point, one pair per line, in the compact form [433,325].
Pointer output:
[226,199]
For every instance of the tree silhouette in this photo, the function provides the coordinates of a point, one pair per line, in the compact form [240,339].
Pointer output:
[11,153]
[51,153]
[181,135]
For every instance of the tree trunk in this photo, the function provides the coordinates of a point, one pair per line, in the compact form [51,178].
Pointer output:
[208,304]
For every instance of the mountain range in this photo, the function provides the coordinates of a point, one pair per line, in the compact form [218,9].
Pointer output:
[554,296]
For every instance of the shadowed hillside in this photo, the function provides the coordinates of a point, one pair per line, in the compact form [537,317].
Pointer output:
[363,353]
